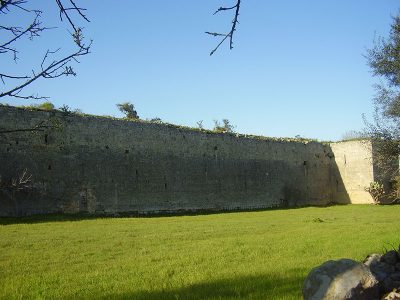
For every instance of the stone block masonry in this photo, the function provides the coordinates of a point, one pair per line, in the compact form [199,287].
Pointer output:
[108,166]
[355,164]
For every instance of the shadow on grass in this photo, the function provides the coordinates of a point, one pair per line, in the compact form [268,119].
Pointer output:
[46,218]
[250,287]
[34,219]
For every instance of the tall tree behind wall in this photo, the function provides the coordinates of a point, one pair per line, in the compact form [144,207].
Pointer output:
[384,60]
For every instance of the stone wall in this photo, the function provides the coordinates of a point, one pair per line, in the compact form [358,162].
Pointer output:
[104,165]
[354,162]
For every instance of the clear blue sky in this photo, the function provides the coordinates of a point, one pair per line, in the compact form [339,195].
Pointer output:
[297,67]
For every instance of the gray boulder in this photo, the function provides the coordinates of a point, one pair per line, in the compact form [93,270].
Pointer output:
[398,266]
[372,259]
[382,270]
[391,257]
[389,285]
[339,280]
[395,276]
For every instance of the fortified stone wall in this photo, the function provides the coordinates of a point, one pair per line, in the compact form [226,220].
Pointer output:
[103,165]
[355,164]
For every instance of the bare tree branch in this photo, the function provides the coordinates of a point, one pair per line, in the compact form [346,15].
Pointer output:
[6,4]
[48,68]
[233,27]
[33,29]
[2,76]
[55,69]
[41,126]
[64,12]
[20,183]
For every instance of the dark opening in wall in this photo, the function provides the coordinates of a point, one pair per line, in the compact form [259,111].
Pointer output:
[215,148]
[165,186]
[126,151]
[16,142]
[136,172]
[49,167]
[45,138]
[305,163]
[83,203]
[107,147]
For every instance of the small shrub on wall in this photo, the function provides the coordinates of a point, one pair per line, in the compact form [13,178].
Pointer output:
[376,191]
[380,196]
[225,127]
[128,109]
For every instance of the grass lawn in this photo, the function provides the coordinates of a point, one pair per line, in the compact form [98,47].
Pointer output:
[254,255]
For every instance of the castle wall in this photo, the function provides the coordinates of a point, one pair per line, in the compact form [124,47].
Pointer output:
[354,162]
[103,165]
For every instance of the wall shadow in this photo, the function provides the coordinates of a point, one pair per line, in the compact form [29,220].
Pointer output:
[339,193]
[254,287]
[50,218]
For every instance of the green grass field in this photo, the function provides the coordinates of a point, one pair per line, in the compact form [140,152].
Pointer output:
[254,255]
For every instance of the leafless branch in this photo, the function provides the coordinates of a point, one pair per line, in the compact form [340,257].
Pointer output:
[55,69]
[19,183]
[230,34]
[41,126]
[22,182]
[49,67]
[6,4]
[32,96]
[33,30]
[224,8]
[2,76]
[64,11]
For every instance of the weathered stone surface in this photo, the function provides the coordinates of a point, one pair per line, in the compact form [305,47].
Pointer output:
[397,266]
[372,259]
[389,285]
[395,276]
[339,280]
[89,164]
[381,270]
[351,161]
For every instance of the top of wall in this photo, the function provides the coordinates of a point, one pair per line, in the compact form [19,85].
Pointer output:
[161,125]
[89,117]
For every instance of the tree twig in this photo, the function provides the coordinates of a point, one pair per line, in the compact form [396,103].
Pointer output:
[48,69]
[230,34]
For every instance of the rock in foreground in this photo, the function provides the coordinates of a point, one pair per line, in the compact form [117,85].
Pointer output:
[339,280]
